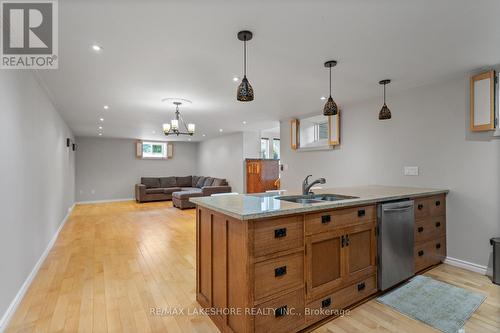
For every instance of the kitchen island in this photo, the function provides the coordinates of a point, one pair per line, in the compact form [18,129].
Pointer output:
[269,265]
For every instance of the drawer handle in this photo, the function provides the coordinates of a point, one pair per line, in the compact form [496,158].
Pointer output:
[326,302]
[438,203]
[347,240]
[438,224]
[279,233]
[361,286]
[420,206]
[420,253]
[280,312]
[438,245]
[280,271]
[420,229]
[361,212]
[326,219]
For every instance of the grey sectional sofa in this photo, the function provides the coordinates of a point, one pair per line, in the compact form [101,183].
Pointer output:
[179,189]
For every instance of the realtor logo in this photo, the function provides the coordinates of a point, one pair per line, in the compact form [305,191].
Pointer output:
[29,34]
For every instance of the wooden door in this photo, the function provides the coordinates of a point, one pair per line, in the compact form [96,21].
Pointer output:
[324,262]
[360,251]
[262,175]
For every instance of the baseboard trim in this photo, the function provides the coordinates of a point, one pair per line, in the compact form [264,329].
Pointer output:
[466,265]
[90,202]
[7,316]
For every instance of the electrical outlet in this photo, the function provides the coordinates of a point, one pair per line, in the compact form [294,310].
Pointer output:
[411,170]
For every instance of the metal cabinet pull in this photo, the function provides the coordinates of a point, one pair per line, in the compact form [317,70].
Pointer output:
[280,312]
[361,286]
[343,240]
[420,229]
[326,302]
[438,224]
[347,240]
[361,212]
[280,271]
[326,219]
[420,253]
[438,203]
[279,233]
[420,206]
[438,245]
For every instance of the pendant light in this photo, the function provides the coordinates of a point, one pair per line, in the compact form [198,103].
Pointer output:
[245,90]
[330,108]
[384,113]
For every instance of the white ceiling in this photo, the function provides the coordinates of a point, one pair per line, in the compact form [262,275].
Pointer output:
[189,49]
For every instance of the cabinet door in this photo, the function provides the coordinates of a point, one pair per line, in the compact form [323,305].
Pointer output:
[360,251]
[324,262]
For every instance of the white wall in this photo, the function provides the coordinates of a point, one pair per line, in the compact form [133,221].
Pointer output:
[107,169]
[222,157]
[429,129]
[37,181]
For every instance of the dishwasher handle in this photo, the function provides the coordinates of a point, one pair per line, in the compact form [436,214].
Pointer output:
[400,209]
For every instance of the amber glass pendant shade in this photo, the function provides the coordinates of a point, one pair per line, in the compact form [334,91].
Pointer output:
[384,113]
[245,91]
[330,108]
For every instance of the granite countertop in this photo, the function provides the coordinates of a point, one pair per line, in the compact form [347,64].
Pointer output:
[260,205]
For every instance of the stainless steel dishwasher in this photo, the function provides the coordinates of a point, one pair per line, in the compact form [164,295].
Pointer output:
[396,225]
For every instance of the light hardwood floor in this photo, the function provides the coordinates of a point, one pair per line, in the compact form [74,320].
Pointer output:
[113,263]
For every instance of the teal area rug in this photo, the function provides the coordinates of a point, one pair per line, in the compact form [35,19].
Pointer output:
[438,304]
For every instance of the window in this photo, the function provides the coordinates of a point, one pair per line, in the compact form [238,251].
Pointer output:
[276,149]
[153,150]
[264,148]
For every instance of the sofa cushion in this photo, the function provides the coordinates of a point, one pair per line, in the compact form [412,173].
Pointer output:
[200,182]
[151,182]
[166,182]
[185,181]
[195,180]
[154,191]
[171,190]
[187,194]
[190,189]
[219,182]
[208,181]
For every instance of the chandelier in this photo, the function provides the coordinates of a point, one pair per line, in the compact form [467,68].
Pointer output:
[178,126]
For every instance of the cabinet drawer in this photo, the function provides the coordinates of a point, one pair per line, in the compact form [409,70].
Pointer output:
[326,221]
[332,304]
[284,314]
[429,228]
[429,253]
[430,206]
[275,235]
[278,275]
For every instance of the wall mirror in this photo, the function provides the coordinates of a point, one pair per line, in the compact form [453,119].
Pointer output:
[315,132]
[482,102]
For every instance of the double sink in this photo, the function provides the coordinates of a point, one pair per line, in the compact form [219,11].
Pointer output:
[314,198]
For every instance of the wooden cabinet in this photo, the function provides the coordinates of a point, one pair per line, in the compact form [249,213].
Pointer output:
[344,253]
[261,175]
[430,231]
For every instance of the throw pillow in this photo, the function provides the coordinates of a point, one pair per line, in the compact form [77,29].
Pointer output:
[186,181]
[150,182]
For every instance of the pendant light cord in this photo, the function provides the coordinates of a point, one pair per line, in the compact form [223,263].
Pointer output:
[384,93]
[330,81]
[245,57]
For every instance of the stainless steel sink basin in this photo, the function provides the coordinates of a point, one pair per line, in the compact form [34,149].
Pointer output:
[314,198]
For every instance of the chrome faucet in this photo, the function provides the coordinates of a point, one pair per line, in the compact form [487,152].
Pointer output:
[306,187]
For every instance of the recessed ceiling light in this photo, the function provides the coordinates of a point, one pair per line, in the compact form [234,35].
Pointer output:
[100,127]
[322,98]
[154,132]
[106,107]
[221,130]
[101,119]
[203,135]
[96,47]
[236,79]
[189,139]
[100,134]
[244,122]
